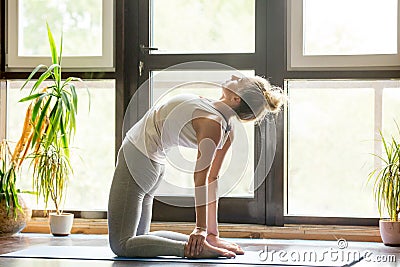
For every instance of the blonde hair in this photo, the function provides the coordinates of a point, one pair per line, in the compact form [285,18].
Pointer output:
[259,98]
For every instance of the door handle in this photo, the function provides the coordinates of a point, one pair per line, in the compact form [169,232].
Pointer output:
[146,48]
[141,68]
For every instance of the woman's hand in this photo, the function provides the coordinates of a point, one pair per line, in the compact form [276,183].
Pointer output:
[215,241]
[196,242]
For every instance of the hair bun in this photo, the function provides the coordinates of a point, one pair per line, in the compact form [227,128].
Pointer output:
[259,98]
[275,98]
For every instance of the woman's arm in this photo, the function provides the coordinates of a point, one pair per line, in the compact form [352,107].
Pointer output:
[208,134]
[212,209]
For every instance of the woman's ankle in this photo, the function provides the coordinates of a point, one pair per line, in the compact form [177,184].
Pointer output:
[184,250]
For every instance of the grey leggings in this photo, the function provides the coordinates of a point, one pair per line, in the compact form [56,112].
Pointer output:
[136,177]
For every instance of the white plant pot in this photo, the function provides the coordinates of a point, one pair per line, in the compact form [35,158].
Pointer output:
[61,224]
[390,232]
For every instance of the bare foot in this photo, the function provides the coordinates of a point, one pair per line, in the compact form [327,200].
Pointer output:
[211,252]
[231,247]
[220,243]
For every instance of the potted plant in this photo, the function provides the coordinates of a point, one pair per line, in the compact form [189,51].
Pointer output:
[387,190]
[51,172]
[14,212]
[53,118]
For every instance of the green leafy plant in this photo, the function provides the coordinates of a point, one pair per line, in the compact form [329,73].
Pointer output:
[51,171]
[8,177]
[10,165]
[387,178]
[57,104]
[53,120]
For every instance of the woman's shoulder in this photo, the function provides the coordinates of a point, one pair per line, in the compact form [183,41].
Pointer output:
[185,96]
[177,99]
[188,99]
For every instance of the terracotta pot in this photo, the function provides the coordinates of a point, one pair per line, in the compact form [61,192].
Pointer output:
[10,225]
[61,224]
[390,232]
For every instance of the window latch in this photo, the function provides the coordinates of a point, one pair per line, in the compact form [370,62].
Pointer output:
[143,48]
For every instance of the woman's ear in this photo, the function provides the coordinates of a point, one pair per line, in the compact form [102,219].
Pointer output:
[236,100]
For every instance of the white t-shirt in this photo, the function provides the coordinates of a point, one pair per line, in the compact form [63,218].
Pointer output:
[170,124]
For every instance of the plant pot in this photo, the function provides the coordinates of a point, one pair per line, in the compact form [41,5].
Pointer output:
[390,232]
[61,224]
[9,225]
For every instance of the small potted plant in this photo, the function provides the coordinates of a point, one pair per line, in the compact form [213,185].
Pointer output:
[51,172]
[387,190]
[53,118]
[14,212]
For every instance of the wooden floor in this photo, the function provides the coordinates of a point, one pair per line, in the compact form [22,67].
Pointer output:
[22,241]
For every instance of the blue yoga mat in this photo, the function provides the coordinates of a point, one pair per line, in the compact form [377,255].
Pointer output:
[105,253]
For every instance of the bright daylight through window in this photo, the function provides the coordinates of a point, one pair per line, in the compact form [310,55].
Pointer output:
[87,28]
[93,148]
[162,82]
[329,154]
[203,26]
[342,33]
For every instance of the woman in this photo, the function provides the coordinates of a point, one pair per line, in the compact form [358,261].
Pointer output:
[190,121]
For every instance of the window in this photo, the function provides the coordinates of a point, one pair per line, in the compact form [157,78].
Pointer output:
[237,173]
[332,131]
[3,109]
[87,27]
[199,31]
[343,33]
[203,26]
[93,147]
[390,109]
[197,40]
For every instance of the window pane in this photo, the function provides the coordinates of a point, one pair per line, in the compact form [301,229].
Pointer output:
[210,26]
[93,147]
[330,141]
[80,21]
[350,27]
[391,111]
[239,177]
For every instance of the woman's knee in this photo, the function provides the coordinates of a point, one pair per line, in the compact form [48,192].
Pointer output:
[117,247]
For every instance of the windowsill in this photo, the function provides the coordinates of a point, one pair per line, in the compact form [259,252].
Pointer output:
[307,232]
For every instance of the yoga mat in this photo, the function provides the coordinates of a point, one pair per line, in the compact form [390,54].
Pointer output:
[105,253]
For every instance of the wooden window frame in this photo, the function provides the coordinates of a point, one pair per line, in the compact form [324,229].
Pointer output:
[283,72]
[127,80]
[105,62]
[297,61]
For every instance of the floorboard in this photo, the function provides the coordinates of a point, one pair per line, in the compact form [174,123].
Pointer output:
[22,241]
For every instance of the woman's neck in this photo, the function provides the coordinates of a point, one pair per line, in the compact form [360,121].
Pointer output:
[224,108]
